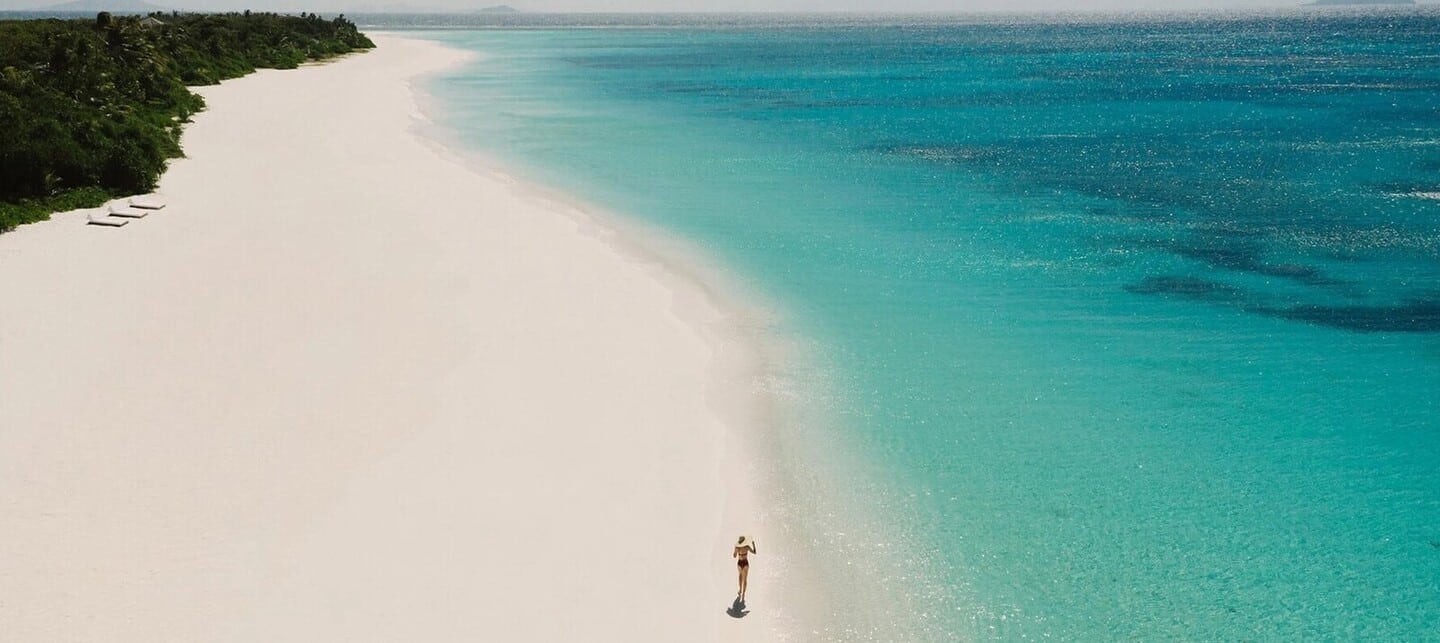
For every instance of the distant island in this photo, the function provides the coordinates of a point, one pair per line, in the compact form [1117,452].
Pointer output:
[113,6]
[1343,3]
[500,8]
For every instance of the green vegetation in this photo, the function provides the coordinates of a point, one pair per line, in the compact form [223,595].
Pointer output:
[93,108]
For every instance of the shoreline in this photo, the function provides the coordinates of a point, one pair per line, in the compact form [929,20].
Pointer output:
[840,566]
[291,558]
[748,329]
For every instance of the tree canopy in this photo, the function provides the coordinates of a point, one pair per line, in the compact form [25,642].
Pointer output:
[93,108]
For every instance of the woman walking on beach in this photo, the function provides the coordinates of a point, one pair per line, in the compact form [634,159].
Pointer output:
[743,549]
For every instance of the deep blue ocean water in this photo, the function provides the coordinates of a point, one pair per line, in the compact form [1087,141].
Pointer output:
[1117,327]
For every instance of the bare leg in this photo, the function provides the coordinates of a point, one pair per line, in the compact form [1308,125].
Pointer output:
[744,579]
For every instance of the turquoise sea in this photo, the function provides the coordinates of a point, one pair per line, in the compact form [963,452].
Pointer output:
[1113,327]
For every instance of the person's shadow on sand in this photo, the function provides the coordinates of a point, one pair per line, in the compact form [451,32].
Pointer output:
[737,609]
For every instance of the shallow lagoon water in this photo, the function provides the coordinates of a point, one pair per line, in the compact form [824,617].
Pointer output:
[1130,325]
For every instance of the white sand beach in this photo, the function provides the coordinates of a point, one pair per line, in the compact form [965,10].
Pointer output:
[347,388]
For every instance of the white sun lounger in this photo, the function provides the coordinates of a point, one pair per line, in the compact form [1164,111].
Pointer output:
[147,202]
[102,218]
[128,212]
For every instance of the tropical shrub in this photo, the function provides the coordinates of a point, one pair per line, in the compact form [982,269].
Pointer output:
[95,107]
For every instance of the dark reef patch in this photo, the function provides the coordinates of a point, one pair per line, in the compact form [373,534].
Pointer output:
[1412,316]
[1189,288]
[1244,257]
[1417,316]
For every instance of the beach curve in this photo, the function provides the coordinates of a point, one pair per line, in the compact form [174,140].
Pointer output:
[345,387]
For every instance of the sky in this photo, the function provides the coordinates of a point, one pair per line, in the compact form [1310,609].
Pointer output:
[699,5]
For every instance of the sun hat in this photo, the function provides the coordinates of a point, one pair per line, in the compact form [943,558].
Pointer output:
[744,540]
